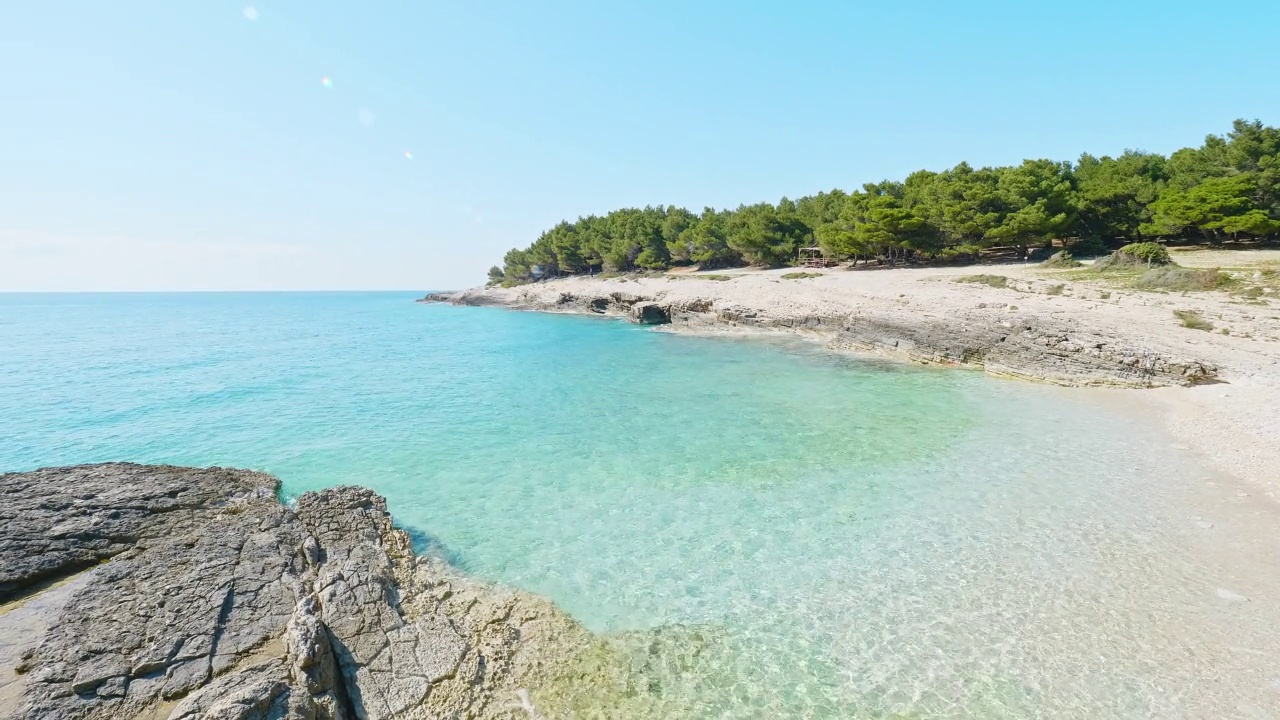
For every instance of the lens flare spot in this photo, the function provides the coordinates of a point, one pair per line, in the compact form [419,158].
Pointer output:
[408,155]
[366,117]
[327,83]
[250,12]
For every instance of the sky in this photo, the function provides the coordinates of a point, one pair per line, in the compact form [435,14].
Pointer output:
[313,145]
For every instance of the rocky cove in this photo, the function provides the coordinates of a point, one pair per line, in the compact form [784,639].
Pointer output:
[1216,391]
[157,591]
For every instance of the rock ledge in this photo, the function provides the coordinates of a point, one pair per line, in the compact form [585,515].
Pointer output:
[1046,348]
[190,594]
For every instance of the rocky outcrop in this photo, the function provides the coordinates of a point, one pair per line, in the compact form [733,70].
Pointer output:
[1038,349]
[58,522]
[1053,349]
[468,297]
[207,598]
[649,313]
[437,297]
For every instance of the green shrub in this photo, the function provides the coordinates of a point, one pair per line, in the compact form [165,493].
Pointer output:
[1060,260]
[1180,279]
[1133,255]
[1147,252]
[800,275]
[1055,290]
[995,281]
[1191,319]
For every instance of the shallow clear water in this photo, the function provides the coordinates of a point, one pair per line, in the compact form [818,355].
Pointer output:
[806,534]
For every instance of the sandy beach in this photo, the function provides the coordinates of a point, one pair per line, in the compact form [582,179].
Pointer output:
[1221,397]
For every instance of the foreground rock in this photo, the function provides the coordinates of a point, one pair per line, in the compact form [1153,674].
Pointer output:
[208,598]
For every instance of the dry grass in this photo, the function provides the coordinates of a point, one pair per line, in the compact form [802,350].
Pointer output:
[995,281]
[1162,278]
[699,276]
[1060,261]
[1192,319]
[1180,279]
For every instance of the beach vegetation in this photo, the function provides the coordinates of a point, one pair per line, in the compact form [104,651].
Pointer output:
[1192,319]
[1060,260]
[995,281]
[1179,279]
[1146,252]
[700,276]
[1225,190]
[1133,255]
[800,275]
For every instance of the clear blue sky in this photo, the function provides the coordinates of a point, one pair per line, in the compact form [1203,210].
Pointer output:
[193,145]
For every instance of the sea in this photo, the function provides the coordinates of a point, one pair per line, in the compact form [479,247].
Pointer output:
[790,532]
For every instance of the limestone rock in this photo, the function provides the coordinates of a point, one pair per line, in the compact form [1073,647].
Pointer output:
[438,297]
[217,601]
[1045,346]
[649,313]
[61,520]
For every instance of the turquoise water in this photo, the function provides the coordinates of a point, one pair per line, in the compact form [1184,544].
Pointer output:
[855,538]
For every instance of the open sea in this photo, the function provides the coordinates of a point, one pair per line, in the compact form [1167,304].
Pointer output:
[806,534]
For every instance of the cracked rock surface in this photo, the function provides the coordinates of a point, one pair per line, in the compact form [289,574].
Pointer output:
[208,598]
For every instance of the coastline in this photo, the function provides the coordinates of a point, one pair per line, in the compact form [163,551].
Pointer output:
[1218,394]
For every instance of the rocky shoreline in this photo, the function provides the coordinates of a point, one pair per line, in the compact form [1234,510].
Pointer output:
[1043,348]
[141,592]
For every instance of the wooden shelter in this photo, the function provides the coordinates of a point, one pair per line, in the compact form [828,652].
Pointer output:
[813,257]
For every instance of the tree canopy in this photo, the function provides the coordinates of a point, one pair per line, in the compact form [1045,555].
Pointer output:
[1228,188]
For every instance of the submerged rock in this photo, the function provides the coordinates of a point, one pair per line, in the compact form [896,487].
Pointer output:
[217,601]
